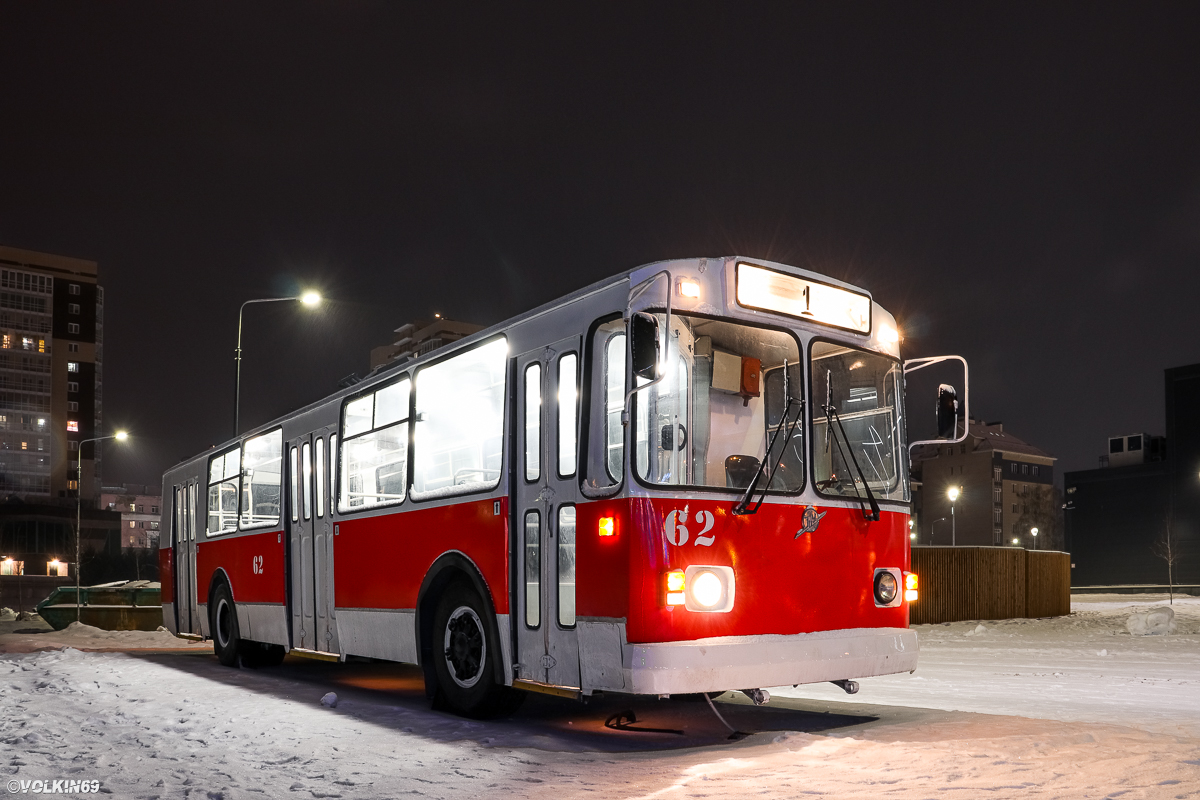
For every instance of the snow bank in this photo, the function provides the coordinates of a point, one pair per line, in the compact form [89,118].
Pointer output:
[88,637]
[1155,622]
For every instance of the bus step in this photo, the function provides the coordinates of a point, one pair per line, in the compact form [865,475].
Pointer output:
[319,655]
[545,688]
[191,637]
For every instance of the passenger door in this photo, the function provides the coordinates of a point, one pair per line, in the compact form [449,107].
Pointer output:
[545,495]
[310,545]
[187,612]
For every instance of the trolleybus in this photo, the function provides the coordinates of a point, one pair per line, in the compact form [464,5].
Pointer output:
[690,477]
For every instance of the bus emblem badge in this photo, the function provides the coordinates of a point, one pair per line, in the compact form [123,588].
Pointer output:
[811,520]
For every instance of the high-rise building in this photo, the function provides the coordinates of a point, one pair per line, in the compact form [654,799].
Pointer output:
[423,336]
[51,374]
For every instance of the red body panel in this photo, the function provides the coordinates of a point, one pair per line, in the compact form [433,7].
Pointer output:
[252,581]
[166,574]
[785,583]
[379,562]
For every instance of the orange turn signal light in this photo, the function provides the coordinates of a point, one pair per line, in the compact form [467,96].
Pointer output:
[910,586]
[607,526]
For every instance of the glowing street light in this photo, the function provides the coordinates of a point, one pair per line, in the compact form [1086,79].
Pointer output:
[120,436]
[310,299]
[952,493]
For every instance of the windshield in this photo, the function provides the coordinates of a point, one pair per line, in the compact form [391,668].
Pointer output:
[709,421]
[864,392]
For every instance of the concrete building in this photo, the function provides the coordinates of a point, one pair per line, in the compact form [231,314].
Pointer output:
[1006,489]
[140,508]
[1116,514]
[420,337]
[51,374]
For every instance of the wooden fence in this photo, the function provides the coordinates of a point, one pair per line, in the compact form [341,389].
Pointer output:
[957,583]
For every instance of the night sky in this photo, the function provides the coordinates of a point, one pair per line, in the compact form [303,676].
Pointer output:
[1019,184]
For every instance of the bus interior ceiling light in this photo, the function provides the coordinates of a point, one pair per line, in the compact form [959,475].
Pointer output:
[788,294]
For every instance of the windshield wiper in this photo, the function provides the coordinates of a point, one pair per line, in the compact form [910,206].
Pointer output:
[743,505]
[831,416]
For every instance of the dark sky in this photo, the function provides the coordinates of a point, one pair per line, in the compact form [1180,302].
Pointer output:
[1019,184]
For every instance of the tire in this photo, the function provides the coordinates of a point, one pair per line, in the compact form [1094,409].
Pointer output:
[226,636]
[465,653]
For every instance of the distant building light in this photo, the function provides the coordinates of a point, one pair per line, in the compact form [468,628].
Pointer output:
[73,425]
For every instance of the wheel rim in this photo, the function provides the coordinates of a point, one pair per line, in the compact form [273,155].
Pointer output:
[465,647]
[223,625]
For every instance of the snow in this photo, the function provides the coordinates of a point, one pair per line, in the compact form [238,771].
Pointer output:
[1061,720]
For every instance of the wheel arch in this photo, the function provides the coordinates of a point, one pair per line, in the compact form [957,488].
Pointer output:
[449,567]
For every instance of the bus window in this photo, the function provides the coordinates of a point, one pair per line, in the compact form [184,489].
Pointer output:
[332,470]
[605,373]
[374,448]
[459,428]
[319,446]
[306,472]
[533,569]
[568,413]
[533,422]
[223,492]
[566,566]
[295,488]
[709,421]
[262,459]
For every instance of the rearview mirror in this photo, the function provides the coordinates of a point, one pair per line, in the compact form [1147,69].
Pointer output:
[947,412]
[644,345]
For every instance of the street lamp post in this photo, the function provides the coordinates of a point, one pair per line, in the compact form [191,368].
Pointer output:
[952,493]
[308,299]
[1034,531]
[120,436]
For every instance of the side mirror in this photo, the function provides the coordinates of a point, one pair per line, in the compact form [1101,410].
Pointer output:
[644,345]
[947,412]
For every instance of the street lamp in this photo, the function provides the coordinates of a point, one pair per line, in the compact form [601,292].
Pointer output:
[952,493]
[309,299]
[1034,531]
[120,436]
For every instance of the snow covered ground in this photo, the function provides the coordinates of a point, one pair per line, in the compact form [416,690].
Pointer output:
[152,723]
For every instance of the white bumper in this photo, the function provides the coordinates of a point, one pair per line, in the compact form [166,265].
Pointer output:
[752,662]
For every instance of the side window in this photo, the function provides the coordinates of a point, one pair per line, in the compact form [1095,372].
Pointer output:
[374,448]
[223,492]
[319,447]
[566,566]
[568,413]
[605,376]
[332,470]
[306,472]
[177,519]
[262,462]
[459,428]
[533,422]
[295,487]
[533,569]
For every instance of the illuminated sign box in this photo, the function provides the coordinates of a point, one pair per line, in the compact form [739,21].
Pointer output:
[768,290]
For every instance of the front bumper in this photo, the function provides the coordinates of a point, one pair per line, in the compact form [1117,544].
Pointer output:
[752,662]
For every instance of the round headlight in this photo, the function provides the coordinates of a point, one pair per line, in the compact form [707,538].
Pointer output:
[707,589]
[885,588]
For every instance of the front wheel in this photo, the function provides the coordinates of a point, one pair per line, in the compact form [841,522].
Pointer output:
[226,637]
[465,654]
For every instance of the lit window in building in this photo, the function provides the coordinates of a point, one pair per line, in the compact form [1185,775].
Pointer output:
[131,523]
[26,343]
[41,345]
[72,484]
[24,445]
[6,342]
[41,422]
[133,507]
[73,425]
[72,366]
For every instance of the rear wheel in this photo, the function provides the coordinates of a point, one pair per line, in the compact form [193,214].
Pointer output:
[465,655]
[226,637]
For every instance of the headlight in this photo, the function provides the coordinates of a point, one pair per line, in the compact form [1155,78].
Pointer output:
[708,589]
[885,587]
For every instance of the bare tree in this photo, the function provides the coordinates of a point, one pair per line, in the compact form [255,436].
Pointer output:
[1164,548]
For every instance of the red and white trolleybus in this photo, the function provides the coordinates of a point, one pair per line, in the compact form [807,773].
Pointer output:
[690,477]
